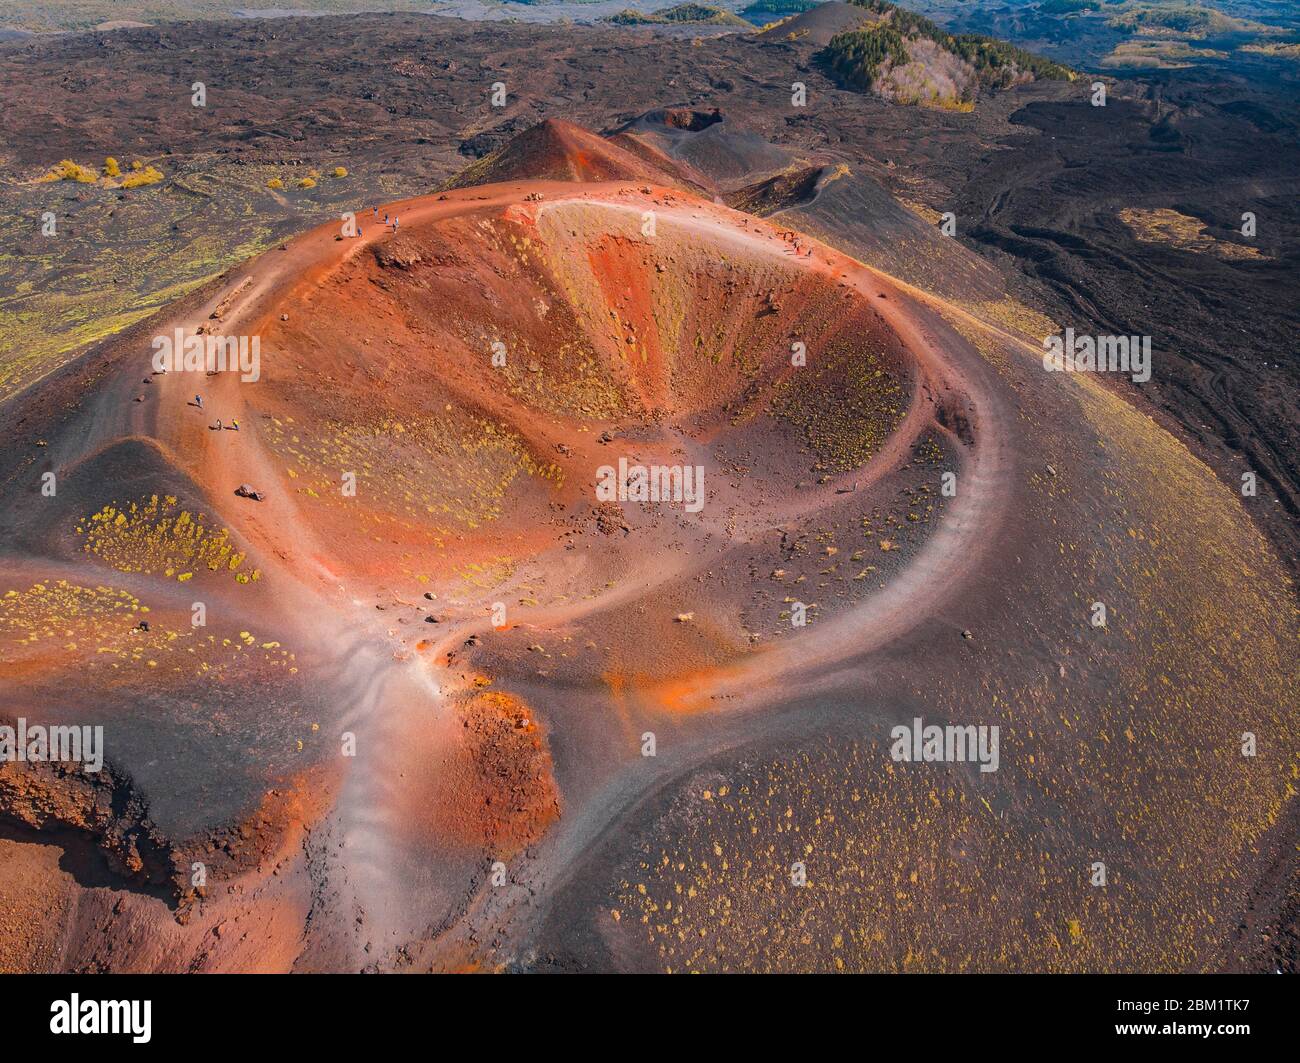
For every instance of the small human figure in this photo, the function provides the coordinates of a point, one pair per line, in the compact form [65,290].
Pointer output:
[396,222]
[198,401]
[218,424]
[234,426]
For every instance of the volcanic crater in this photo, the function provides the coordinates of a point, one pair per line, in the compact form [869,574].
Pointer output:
[444,694]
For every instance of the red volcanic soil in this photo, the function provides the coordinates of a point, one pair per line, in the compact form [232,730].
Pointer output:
[555,150]
[432,650]
[602,331]
[498,788]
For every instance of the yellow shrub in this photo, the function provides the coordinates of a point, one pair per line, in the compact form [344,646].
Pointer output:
[67,170]
[156,536]
[307,182]
[340,171]
[274,182]
[147,176]
[111,168]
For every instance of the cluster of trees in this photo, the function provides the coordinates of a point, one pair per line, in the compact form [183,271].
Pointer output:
[857,56]
[689,12]
[998,63]
[1068,7]
[780,7]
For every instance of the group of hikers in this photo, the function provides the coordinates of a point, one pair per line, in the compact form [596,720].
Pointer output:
[394,221]
[375,213]
[232,427]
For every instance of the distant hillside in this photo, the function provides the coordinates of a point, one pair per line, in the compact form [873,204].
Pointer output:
[1137,34]
[683,13]
[818,24]
[1068,7]
[905,57]
[47,16]
[779,7]
[1189,21]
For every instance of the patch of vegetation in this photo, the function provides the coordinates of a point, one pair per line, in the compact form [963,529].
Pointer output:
[1191,21]
[998,63]
[67,170]
[158,536]
[450,472]
[1159,55]
[1162,225]
[1068,7]
[780,7]
[1277,50]
[682,13]
[847,408]
[141,176]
